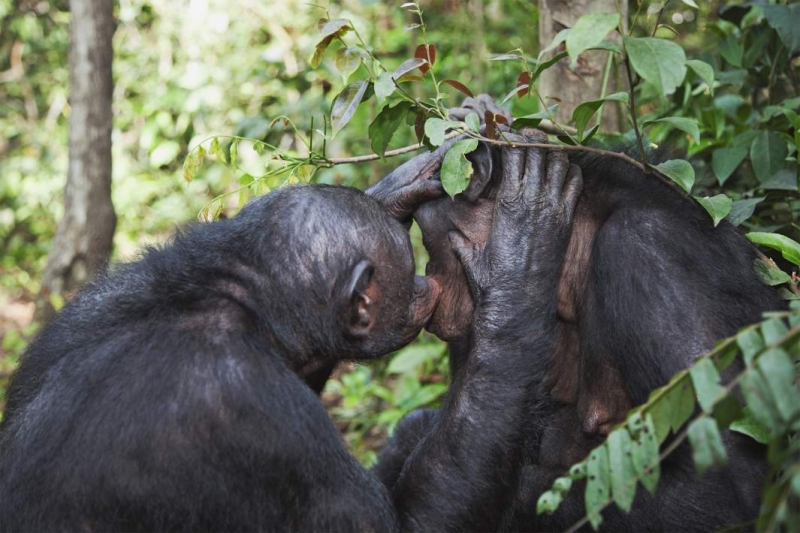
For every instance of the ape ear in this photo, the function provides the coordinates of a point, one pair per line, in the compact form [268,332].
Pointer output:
[358,306]
[482,166]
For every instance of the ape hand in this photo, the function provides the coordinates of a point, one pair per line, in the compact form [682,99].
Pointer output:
[480,105]
[410,184]
[531,227]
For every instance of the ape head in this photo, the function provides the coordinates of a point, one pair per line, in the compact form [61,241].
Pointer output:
[339,274]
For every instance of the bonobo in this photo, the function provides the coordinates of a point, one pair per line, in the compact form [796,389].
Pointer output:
[647,284]
[169,396]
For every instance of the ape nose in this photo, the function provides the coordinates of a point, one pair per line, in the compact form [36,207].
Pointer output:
[597,422]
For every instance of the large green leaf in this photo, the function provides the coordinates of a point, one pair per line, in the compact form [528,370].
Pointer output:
[707,447]
[767,153]
[717,206]
[679,171]
[456,169]
[385,124]
[726,160]
[346,103]
[584,112]
[661,62]
[588,31]
[598,484]
[789,249]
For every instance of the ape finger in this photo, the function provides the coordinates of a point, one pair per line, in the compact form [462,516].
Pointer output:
[557,169]
[513,172]
[573,188]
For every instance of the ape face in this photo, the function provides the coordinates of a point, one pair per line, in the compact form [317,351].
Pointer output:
[452,318]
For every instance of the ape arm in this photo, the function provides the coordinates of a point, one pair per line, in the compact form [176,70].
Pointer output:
[470,458]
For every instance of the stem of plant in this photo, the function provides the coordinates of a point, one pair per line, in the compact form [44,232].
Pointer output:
[632,107]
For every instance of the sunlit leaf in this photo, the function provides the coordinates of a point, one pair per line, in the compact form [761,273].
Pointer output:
[456,169]
[329,30]
[717,206]
[679,171]
[548,502]
[346,103]
[661,62]
[789,249]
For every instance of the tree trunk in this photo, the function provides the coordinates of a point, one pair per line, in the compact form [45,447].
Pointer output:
[84,236]
[586,81]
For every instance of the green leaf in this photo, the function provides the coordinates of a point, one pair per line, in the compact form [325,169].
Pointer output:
[411,358]
[784,19]
[778,372]
[598,484]
[717,206]
[706,383]
[584,112]
[578,471]
[435,129]
[645,456]
[384,87]
[679,171]
[741,210]
[661,62]
[785,179]
[216,149]
[773,330]
[544,65]
[385,124]
[548,502]
[346,103]
[689,125]
[190,166]
[703,70]
[767,153]
[707,447]
[789,249]
[347,60]
[562,484]
[759,401]
[473,121]
[330,30]
[752,427]
[588,31]
[726,160]
[234,152]
[682,400]
[623,474]
[771,275]
[456,169]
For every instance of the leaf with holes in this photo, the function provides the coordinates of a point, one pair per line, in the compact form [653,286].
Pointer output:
[789,249]
[623,473]
[717,206]
[548,502]
[588,31]
[346,103]
[679,171]
[707,447]
[456,169]
[645,456]
[598,484]
[661,62]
